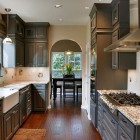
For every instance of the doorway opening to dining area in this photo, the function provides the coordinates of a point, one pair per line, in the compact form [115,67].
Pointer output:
[66,67]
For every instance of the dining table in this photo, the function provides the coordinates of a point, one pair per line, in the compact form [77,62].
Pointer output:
[61,79]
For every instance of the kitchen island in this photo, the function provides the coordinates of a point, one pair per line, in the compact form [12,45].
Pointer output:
[118,121]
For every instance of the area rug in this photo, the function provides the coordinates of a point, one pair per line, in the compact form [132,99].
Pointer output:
[30,134]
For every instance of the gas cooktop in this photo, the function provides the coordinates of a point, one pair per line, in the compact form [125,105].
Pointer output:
[123,98]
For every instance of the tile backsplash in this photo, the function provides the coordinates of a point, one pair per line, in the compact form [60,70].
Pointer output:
[11,75]
[8,76]
[32,74]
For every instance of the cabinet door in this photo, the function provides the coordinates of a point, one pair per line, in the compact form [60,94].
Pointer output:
[8,126]
[1,127]
[41,54]
[122,135]
[92,111]
[30,57]
[115,14]
[30,32]
[15,118]
[39,100]
[19,53]
[41,32]
[19,28]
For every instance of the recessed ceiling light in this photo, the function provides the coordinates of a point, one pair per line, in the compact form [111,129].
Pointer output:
[58,6]
[87,8]
[100,0]
[60,19]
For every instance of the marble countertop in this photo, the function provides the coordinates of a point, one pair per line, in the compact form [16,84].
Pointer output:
[130,112]
[10,93]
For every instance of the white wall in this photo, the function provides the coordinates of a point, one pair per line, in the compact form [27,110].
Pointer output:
[134,75]
[76,33]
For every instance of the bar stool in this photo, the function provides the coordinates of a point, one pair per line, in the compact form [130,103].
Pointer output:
[77,89]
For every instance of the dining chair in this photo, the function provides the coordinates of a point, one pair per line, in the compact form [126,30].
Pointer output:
[78,86]
[57,86]
[68,86]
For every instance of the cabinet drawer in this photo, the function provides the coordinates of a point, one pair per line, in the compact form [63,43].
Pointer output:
[28,101]
[122,134]
[39,86]
[29,110]
[126,125]
[110,125]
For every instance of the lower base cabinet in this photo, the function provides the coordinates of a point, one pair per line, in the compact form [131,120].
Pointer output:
[39,97]
[107,126]
[11,122]
[93,112]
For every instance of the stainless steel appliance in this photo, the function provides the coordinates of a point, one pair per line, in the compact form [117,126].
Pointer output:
[93,103]
[123,98]
[22,103]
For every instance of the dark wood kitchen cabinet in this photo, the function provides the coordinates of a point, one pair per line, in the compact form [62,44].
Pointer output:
[1,119]
[39,97]
[93,112]
[101,37]
[11,122]
[121,27]
[107,125]
[36,44]
[16,25]
[36,54]
[120,12]
[35,31]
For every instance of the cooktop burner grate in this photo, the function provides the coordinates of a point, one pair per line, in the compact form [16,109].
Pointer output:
[124,98]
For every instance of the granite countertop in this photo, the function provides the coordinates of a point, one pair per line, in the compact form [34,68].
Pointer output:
[130,112]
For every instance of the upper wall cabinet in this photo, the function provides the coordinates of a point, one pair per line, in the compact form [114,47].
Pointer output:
[100,19]
[37,30]
[121,27]
[16,25]
[36,46]
[120,12]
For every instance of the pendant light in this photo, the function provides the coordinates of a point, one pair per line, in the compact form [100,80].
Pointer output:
[68,52]
[7,40]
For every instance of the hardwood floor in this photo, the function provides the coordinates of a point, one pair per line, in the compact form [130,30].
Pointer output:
[64,121]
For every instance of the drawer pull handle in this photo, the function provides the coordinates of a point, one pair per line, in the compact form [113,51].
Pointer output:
[113,122]
[124,121]
[122,134]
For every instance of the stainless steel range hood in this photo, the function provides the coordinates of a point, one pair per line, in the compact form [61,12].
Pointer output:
[128,43]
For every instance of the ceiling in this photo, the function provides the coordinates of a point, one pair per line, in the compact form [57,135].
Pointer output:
[72,12]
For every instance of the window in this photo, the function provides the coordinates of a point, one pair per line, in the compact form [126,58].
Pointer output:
[59,59]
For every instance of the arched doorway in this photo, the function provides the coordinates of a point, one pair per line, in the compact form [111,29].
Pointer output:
[59,58]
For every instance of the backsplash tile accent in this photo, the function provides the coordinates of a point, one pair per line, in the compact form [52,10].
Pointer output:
[9,76]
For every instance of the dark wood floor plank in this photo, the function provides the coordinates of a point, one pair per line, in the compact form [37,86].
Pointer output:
[64,121]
